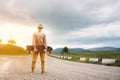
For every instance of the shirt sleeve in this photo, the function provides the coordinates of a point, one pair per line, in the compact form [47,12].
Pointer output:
[34,40]
[45,41]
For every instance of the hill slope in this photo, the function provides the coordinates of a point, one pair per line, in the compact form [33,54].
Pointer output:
[12,50]
[111,49]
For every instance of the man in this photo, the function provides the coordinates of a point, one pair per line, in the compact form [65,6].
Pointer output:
[40,47]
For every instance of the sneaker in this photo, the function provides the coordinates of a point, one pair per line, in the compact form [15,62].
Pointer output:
[43,71]
[31,73]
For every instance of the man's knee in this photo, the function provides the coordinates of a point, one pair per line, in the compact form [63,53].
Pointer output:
[34,61]
[43,61]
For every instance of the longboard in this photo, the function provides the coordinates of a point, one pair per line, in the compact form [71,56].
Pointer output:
[30,48]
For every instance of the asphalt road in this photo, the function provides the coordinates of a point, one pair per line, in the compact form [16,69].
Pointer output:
[18,68]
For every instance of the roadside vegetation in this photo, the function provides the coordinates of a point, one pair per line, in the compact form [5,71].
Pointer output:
[112,55]
[75,56]
[9,49]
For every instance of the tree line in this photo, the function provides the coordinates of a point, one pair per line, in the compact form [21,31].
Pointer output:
[11,41]
[65,50]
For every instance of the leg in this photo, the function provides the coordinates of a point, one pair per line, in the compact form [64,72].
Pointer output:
[34,61]
[42,57]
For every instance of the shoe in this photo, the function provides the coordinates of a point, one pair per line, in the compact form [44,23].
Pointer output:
[43,71]
[31,73]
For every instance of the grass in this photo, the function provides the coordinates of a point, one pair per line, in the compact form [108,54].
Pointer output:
[12,50]
[76,55]
[112,55]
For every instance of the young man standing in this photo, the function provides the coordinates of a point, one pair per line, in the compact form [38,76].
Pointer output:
[40,48]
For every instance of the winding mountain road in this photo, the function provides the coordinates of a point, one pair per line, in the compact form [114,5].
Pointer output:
[18,68]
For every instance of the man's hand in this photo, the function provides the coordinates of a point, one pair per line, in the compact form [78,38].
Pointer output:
[45,50]
[35,50]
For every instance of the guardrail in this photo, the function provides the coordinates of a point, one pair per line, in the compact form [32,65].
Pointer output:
[90,60]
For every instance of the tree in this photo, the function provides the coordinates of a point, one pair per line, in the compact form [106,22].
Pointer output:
[65,50]
[11,41]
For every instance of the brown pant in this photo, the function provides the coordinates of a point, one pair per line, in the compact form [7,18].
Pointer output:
[42,57]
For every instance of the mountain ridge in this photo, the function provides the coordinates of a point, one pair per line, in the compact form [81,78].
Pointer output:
[102,49]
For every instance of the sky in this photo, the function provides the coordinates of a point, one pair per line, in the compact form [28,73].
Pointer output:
[71,23]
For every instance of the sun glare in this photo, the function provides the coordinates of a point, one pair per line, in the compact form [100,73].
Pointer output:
[20,33]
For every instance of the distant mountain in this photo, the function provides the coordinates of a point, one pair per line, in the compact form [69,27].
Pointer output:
[59,50]
[76,49]
[111,49]
[104,49]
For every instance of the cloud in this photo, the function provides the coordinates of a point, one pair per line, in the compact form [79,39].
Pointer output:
[95,34]
[60,14]
[102,30]
[78,21]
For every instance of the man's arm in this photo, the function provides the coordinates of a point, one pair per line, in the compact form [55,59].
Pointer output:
[34,42]
[45,42]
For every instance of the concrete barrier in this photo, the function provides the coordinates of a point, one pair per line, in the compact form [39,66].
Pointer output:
[61,56]
[93,59]
[65,57]
[69,57]
[108,61]
[50,54]
[82,59]
[58,56]
[117,61]
[55,55]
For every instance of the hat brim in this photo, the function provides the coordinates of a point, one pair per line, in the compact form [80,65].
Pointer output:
[40,27]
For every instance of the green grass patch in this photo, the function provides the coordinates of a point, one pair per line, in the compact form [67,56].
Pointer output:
[110,55]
